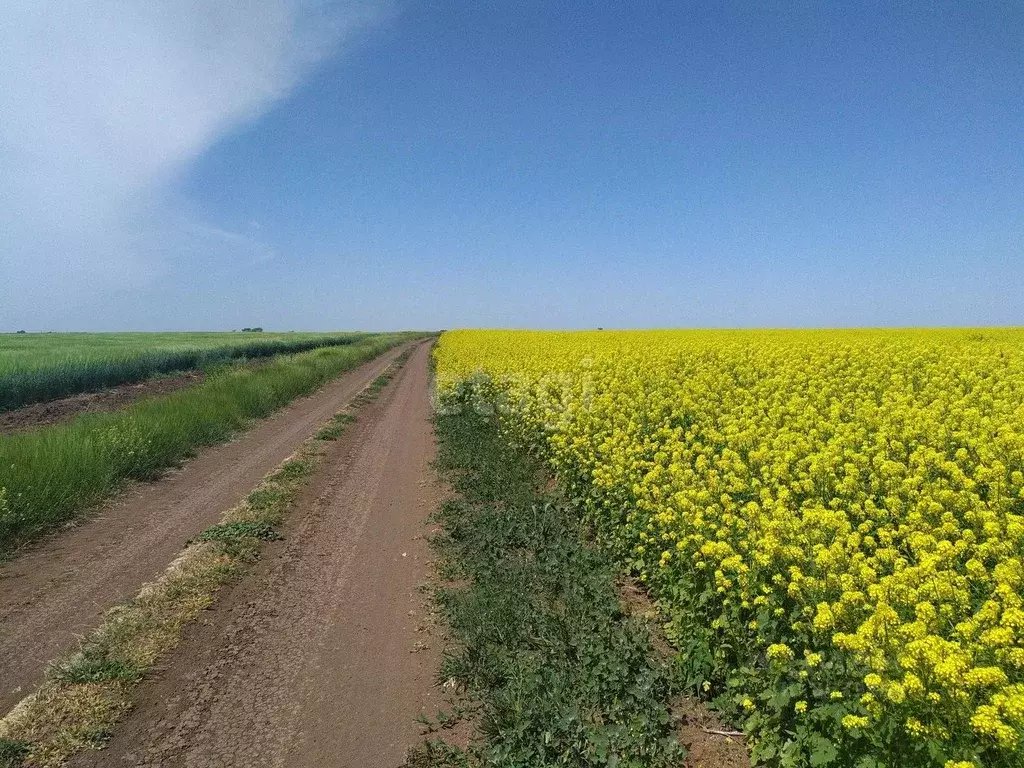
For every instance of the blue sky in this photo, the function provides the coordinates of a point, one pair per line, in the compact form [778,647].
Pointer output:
[527,164]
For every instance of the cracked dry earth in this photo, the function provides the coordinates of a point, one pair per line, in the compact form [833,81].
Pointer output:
[319,655]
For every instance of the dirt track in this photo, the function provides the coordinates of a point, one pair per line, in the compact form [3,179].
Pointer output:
[317,658]
[53,593]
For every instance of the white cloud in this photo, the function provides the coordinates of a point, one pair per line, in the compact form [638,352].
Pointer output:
[105,103]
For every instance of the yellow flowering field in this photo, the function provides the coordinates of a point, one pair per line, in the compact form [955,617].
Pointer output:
[832,522]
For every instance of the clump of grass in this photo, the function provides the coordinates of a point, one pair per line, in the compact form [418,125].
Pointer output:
[50,475]
[559,674]
[97,670]
[83,696]
[238,536]
[12,752]
[436,753]
[335,427]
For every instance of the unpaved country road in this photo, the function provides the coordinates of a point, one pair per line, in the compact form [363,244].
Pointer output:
[317,657]
[57,591]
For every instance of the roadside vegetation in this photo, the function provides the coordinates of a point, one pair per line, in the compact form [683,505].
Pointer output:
[43,366]
[547,664]
[51,475]
[84,695]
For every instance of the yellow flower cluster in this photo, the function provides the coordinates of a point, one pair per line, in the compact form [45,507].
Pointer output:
[844,508]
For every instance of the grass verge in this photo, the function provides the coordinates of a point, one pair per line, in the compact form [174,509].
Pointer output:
[51,475]
[553,670]
[83,696]
[75,372]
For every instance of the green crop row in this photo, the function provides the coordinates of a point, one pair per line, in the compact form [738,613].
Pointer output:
[39,367]
[51,475]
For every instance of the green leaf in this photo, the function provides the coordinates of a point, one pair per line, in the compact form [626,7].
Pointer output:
[823,752]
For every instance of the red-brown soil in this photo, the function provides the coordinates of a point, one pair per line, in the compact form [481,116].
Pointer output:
[320,656]
[709,743]
[57,590]
[65,408]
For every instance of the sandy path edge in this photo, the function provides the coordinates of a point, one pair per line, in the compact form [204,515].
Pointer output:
[318,657]
[56,591]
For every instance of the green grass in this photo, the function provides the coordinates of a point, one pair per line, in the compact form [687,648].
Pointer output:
[229,534]
[335,427]
[12,752]
[557,672]
[51,475]
[43,366]
[89,669]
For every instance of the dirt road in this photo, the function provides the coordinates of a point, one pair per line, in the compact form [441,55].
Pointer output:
[317,658]
[58,590]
